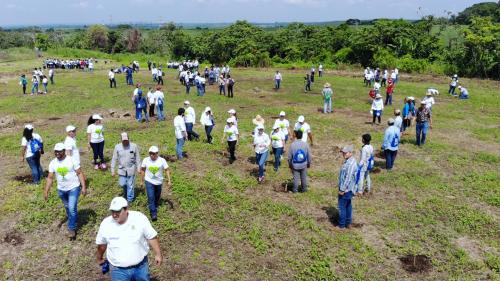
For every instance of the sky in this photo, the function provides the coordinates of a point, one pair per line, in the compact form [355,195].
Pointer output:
[36,12]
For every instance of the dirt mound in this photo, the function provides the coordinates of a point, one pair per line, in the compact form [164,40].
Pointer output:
[23,178]
[418,263]
[7,122]
[13,238]
[169,158]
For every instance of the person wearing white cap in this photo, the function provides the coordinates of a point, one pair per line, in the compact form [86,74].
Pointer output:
[70,144]
[423,123]
[327,98]
[32,150]
[277,80]
[180,132]
[126,236]
[304,128]
[257,121]
[95,137]
[231,131]
[429,101]
[377,108]
[233,115]
[152,169]
[283,124]
[70,182]
[347,186]
[453,85]
[207,120]
[159,101]
[261,143]
[398,121]
[390,145]
[278,144]
[127,155]
[464,94]
[190,120]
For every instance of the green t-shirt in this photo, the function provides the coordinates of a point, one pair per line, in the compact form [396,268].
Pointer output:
[327,94]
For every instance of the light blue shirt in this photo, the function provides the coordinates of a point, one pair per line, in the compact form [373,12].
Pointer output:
[391,138]
[347,177]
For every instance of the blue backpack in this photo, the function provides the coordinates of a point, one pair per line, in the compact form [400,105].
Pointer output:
[395,140]
[160,101]
[371,163]
[299,157]
[35,145]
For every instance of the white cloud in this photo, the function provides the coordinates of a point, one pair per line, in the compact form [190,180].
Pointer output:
[80,4]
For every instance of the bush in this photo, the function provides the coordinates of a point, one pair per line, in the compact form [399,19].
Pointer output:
[343,55]
[384,59]
[409,64]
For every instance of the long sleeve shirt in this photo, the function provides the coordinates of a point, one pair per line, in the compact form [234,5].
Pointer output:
[366,153]
[294,148]
[261,143]
[391,138]
[128,159]
[378,104]
[347,176]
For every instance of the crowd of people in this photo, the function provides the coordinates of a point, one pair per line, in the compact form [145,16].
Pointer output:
[82,64]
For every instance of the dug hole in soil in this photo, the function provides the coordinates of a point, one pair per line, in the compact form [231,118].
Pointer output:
[416,263]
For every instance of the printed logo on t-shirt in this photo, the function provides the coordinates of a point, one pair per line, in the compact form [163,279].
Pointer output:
[282,126]
[275,137]
[229,133]
[63,171]
[98,131]
[302,129]
[153,169]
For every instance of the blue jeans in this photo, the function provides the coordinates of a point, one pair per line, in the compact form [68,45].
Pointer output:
[390,157]
[34,88]
[208,131]
[159,111]
[388,99]
[277,83]
[261,159]
[277,157]
[327,106]
[222,89]
[463,97]
[139,272]
[188,87]
[138,114]
[36,167]
[127,183]
[422,128]
[154,192]
[70,201]
[451,91]
[190,132]
[345,209]
[45,87]
[201,91]
[178,147]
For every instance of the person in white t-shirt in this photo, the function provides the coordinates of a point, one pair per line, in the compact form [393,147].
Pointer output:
[261,143]
[111,76]
[70,144]
[152,169]
[277,80]
[91,66]
[154,73]
[283,124]
[70,180]
[429,100]
[190,120]
[231,131]
[278,144]
[159,101]
[377,108]
[151,98]
[32,150]
[366,163]
[305,128]
[125,237]
[320,70]
[95,137]
[180,132]
[207,120]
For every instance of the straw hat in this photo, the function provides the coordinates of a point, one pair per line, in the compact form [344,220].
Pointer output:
[327,85]
[258,120]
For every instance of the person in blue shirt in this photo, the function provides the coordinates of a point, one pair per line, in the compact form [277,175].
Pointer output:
[140,106]
[390,145]
[23,82]
[464,94]
[347,187]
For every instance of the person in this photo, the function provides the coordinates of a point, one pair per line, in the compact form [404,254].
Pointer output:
[301,125]
[154,73]
[408,112]
[32,150]
[433,91]
[398,121]
[327,98]
[388,93]
[151,102]
[376,87]
[377,108]
[23,82]
[187,81]
[231,131]
[299,160]
[261,143]
[312,74]
[384,78]
[423,123]
[347,187]
[141,105]
[230,86]
[453,85]
[34,87]
[70,182]
[190,120]
[222,85]
[126,154]
[464,94]
[277,80]
[126,236]
[233,115]
[70,144]
[208,121]
[278,144]
[159,101]
[258,120]
[367,77]
[320,70]
[51,76]
[45,83]
[429,100]
[366,163]
[159,76]
[390,145]
[91,66]
[284,125]
[152,169]
[307,80]
[95,137]
[112,80]
[180,132]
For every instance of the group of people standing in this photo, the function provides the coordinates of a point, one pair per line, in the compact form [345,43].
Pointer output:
[38,78]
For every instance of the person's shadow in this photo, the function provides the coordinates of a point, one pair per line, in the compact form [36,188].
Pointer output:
[86,216]
[333,214]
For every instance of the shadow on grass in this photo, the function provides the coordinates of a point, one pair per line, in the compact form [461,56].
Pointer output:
[86,216]
[333,214]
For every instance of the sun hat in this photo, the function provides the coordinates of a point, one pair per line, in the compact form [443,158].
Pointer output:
[301,119]
[347,148]
[70,128]
[96,117]
[327,85]
[187,102]
[282,113]
[117,204]
[258,120]
[276,126]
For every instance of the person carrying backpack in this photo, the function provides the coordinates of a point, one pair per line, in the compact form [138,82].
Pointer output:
[140,106]
[299,160]
[230,86]
[327,98]
[390,145]
[366,163]
[32,150]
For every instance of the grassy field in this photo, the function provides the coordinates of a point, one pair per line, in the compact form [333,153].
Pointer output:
[217,223]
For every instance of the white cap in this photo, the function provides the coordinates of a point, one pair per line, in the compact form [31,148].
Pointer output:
[230,120]
[28,126]
[260,127]
[301,118]
[422,102]
[96,117]
[282,113]
[70,128]
[460,87]
[124,136]
[154,149]
[347,148]
[59,146]
[390,121]
[208,109]
[186,102]
[231,111]
[276,126]
[411,98]
[117,204]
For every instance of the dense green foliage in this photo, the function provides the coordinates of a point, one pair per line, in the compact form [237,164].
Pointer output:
[485,9]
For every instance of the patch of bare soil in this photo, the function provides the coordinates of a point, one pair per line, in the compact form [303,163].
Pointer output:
[416,263]
[470,246]
[13,238]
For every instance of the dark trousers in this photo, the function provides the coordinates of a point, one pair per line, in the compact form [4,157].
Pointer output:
[112,82]
[230,91]
[383,83]
[388,99]
[232,149]
[312,77]
[377,117]
[345,209]
[98,150]
[451,91]
[208,131]
[308,86]
[190,132]
[154,194]
[152,110]
[390,157]
[51,79]
[160,80]
[188,87]
[24,89]
[421,132]
[320,73]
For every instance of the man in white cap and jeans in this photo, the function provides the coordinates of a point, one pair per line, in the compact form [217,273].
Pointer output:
[261,143]
[304,128]
[299,160]
[190,120]
[125,237]
[127,155]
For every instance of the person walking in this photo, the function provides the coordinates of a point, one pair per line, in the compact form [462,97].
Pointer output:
[278,144]
[389,92]
[261,142]
[320,70]
[230,86]
[313,70]
[277,80]
[347,187]
[70,145]
[398,121]
[111,77]
[299,160]
[377,108]
[231,131]
[159,101]
[307,80]
[180,132]
[390,145]
[208,121]
[45,83]
[152,169]
[95,137]
[327,98]
[190,120]
[453,85]
[32,150]
[305,128]
[34,87]
[424,123]
[159,77]
[141,105]
[126,154]
[366,163]
[429,101]
[23,82]
[151,97]
[284,125]
[70,182]
[222,85]
[126,236]
[51,76]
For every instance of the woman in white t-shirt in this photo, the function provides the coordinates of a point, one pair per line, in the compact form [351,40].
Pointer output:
[207,120]
[278,144]
[70,144]
[32,150]
[261,143]
[366,163]
[152,168]
[231,131]
[95,137]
